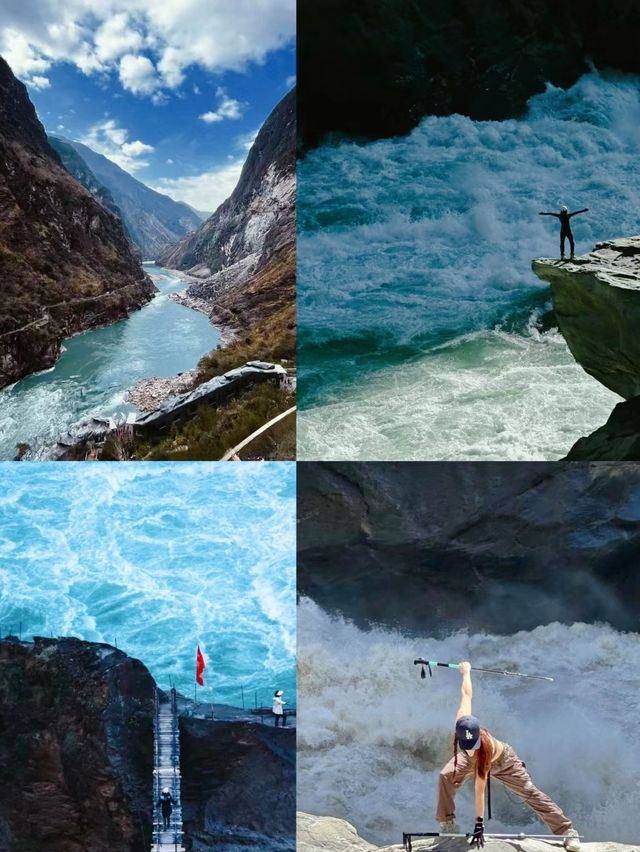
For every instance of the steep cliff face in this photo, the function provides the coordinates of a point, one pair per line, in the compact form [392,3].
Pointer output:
[153,220]
[596,299]
[238,786]
[389,63]
[76,751]
[254,226]
[65,262]
[480,546]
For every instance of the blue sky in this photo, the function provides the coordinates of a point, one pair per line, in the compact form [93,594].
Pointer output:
[173,94]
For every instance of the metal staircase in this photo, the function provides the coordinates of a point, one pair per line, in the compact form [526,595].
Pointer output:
[166,773]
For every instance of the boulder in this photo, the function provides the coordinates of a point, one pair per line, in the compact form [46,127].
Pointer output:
[327,834]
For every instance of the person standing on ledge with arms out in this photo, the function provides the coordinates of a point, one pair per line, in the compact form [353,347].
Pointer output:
[476,753]
[565,227]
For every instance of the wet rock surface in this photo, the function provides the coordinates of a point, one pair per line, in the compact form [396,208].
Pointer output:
[387,65]
[238,786]
[66,264]
[497,547]
[327,834]
[596,300]
[76,751]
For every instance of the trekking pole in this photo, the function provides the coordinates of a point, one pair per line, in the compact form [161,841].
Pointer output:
[429,663]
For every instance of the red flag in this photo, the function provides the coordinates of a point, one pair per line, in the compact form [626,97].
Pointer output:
[200,667]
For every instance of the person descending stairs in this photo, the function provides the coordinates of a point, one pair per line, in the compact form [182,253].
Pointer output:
[167,822]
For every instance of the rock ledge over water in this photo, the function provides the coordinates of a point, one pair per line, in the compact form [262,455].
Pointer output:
[596,299]
[328,834]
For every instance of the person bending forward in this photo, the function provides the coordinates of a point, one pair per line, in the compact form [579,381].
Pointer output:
[476,753]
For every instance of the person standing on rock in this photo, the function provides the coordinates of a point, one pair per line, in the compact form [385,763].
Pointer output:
[477,754]
[166,803]
[278,708]
[565,227]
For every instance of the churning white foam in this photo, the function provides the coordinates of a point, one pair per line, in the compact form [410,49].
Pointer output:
[427,240]
[373,736]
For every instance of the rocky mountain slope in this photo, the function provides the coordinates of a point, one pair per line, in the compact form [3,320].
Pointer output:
[65,262]
[76,751]
[389,63]
[596,299]
[153,220]
[504,547]
[251,235]
[76,166]
[328,834]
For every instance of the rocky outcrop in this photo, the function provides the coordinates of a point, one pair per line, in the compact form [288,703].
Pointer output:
[389,64]
[489,546]
[596,300]
[153,220]
[328,834]
[76,751]
[65,263]
[253,231]
[617,440]
[238,786]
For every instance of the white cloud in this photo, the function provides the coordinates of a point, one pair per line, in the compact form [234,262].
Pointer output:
[290,81]
[205,191]
[39,82]
[97,37]
[108,139]
[227,108]
[246,140]
[137,74]
[135,149]
[22,58]
[115,37]
[169,161]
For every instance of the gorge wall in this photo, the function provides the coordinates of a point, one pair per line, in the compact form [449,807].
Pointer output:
[76,751]
[239,785]
[65,262]
[389,64]
[497,547]
[244,253]
[152,220]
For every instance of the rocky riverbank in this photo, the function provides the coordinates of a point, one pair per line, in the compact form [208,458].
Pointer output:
[596,299]
[327,834]
[149,394]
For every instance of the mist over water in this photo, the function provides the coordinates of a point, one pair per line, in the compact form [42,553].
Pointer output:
[97,368]
[373,736]
[159,557]
[417,305]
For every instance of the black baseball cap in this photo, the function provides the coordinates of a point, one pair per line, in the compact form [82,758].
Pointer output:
[468,733]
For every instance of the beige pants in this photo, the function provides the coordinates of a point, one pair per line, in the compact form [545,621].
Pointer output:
[508,769]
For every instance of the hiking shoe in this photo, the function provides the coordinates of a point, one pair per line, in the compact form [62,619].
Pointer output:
[572,841]
[450,827]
